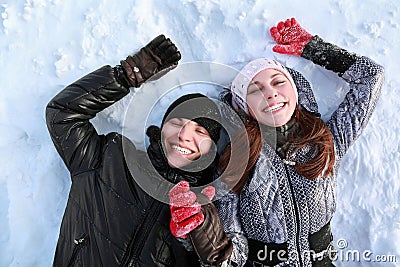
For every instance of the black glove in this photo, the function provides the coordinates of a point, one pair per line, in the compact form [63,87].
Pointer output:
[328,55]
[209,239]
[157,57]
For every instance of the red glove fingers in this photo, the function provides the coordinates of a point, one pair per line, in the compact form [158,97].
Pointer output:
[281,26]
[209,192]
[179,214]
[185,211]
[290,37]
[287,24]
[289,31]
[182,199]
[183,228]
[180,195]
[180,187]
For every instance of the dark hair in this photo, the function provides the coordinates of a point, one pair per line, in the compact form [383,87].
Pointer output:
[312,130]
[199,108]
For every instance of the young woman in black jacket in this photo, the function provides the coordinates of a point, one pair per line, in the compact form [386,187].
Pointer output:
[116,213]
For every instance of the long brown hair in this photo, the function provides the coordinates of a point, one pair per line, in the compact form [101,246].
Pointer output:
[312,130]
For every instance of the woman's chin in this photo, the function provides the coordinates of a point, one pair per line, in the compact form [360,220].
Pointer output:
[280,121]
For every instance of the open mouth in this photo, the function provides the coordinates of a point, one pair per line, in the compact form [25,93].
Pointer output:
[181,150]
[274,107]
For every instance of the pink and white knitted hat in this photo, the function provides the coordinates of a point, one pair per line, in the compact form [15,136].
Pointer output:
[243,79]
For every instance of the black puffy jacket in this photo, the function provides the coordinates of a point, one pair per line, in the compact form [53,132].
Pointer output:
[109,220]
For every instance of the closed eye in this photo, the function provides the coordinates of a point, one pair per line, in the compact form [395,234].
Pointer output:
[176,122]
[253,89]
[279,82]
[202,131]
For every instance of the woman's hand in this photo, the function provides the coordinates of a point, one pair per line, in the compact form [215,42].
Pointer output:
[290,37]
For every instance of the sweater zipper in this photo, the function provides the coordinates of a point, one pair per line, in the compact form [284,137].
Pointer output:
[135,246]
[297,215]
[79,243]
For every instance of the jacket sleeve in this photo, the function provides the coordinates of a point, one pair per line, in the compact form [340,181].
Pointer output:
[69,112]
[229,212]
[365,79]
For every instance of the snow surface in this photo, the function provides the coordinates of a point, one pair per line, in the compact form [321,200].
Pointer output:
[46,45]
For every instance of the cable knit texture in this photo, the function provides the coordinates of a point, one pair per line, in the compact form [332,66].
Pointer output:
[279,205]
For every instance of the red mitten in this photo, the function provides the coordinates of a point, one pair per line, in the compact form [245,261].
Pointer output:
[185,211]
[290,37]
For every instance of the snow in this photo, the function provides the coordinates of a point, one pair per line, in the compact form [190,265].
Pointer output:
[47,44]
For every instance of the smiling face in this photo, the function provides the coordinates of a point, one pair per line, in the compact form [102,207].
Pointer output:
[184,141]
[271,98]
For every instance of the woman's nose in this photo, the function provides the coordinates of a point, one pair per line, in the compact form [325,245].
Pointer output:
[270,93]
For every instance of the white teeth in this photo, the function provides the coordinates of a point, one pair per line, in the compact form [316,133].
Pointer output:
[273,108]
[181,150]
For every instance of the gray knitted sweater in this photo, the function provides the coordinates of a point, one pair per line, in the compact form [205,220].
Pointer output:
[279,205]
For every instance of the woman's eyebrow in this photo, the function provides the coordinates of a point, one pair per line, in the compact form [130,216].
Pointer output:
[276,74]
[271,77]
[254,83]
